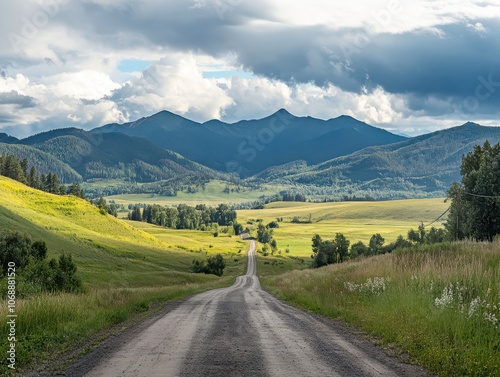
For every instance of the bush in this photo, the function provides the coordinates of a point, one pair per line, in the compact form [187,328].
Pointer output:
[215,265]
[273,225]
[15,247]
[32,266]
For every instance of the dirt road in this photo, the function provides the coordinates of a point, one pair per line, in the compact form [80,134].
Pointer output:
[239,331]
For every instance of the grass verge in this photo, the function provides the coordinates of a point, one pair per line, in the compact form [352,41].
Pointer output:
[440,305]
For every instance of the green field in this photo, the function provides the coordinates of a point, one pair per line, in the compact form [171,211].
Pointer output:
[358,221]
[212,195]
[125,268]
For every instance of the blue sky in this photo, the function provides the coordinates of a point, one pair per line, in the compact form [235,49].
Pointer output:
[133,65]
[409,67]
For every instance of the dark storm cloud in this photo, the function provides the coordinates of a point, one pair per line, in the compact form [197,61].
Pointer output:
[14,98]
[449,64]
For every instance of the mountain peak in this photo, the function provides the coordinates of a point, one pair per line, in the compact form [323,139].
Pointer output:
[282,112]
[471,124]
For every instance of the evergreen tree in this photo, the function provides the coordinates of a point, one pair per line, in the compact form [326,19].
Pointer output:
[33,178]
[76,190]
[13,169]
[24,167]
[2,164]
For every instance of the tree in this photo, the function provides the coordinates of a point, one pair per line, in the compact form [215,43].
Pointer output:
[215,265]
[14,247]
[316,243]
[33,179]
[324,252]
[39,250]
[238,229]
[13,169]
[76,190]
[359,248]
[65,276]
[136,213]
[264,234]
[475,208]
[435,235]
[414,236]
[274,245]
[342,247]
[375,245]
[273,225]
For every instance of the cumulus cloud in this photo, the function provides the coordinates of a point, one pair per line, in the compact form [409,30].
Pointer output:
[174,84]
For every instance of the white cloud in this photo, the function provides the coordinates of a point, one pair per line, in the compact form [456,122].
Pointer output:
[176,85]
[87,85]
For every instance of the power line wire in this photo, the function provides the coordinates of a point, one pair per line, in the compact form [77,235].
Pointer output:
[444,213]
[481,196]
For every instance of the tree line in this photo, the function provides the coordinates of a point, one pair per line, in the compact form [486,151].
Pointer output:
[265,236]
[475,208]
[337,250]
[474,213]
[12,167]
[200,217]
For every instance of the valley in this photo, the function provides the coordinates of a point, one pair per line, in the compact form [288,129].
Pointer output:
[133,271]
[169,155]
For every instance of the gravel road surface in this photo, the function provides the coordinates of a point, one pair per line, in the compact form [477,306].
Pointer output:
[239,331]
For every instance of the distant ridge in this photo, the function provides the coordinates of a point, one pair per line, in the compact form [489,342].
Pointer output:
[112,155]
[250,146]
[429,163]
[7,139]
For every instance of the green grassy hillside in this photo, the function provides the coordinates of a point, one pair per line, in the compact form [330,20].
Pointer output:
[124,269]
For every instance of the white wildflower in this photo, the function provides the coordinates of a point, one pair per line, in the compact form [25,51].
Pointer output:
[446,298]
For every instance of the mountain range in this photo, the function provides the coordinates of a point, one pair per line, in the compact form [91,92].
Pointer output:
[428,163]
[250,146]
[340,155]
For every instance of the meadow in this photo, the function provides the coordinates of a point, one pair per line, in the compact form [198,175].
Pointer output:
[212,195]
[358,221]
[448,295]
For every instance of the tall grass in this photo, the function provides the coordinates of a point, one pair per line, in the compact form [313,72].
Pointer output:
[440,304]
[52,323]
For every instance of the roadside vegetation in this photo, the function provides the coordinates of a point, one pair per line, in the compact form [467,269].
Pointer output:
[438,305]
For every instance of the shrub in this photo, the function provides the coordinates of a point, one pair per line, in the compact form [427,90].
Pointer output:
[215,265]
[32,266]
